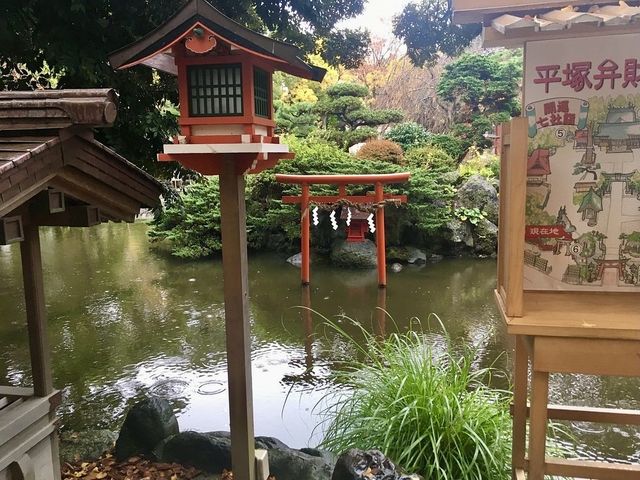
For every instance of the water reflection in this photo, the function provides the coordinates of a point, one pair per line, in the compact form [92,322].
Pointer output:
[125,322]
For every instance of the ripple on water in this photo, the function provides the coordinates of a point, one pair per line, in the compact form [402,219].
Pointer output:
[212,387]
[169,387]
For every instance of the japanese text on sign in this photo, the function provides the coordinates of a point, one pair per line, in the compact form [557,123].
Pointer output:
[584,75]
[546,231]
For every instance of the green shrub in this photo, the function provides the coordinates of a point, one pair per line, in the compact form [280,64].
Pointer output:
[381,151]
[432,157]
[450,144]
[426,406]
[485,163]
[408,135]
[190,223]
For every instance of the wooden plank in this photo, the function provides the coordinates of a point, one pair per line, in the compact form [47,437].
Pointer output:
[617,416]
[20,414]
[538,425]
[590,469]
[502,232]
[474,11]
[330,199]
[16,392]
[589,356]
[589,314]
[520,411]
[36,311]
[77,185]
[237,322]
[514,217]
[491,38]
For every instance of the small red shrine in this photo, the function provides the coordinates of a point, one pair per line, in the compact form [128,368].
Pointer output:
[357,225]
[226,123]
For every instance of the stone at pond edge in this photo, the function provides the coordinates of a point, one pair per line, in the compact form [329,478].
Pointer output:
[396,267]
[477,192]
[87,446]
[411,255]
[354,254]
[485,237]
[211,452]
[358,464]
[296,260]
[147,423]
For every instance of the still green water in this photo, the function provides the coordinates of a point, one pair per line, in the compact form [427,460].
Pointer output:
[126,322]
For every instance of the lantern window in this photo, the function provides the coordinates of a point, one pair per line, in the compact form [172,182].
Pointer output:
[215,90]
[262,93]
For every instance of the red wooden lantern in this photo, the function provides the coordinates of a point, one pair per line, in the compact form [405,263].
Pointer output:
[224,76]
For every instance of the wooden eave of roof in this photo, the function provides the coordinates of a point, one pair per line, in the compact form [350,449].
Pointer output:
[153,49]
[478,11]
[57,109]
[81,168]
[511,26]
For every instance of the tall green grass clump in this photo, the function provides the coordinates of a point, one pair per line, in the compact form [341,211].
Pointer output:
[425,406]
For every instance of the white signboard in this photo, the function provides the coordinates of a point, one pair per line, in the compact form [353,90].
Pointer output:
[582,99]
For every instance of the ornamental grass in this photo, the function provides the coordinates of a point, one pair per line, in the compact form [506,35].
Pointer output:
[423,403]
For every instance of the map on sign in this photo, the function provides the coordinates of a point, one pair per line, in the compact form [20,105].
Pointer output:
[582,101]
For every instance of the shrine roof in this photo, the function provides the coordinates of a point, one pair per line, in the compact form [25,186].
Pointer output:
[154,49]
[619,131]
[38,151]
[591,201]
[512,24]
[538,163]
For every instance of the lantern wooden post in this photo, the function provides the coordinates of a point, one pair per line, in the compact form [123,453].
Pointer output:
[237,325]
[306,241]
[380,240]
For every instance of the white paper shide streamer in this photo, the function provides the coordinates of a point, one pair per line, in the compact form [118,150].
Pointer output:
[348,217]
[332,217]
[316,220]
[372,225]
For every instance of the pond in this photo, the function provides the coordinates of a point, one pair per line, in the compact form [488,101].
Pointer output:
[126,321]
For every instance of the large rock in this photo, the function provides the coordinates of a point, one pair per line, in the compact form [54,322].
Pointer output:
[485,238]
[147,424]
[85,446]
[289,464]
[460,232]
[354,254]
[211,452]
[411,255]
[477,192]
[295,260]
[367,465]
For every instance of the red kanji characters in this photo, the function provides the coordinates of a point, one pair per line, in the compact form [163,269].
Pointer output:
[549,108]
[547,74]
[576,75]
[569,119]
[608,71]
[555,119]
[631,72]
[563,106]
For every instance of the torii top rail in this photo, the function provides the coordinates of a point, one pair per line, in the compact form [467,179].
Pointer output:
[341,181]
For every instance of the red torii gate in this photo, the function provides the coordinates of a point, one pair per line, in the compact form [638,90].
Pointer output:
[341,181]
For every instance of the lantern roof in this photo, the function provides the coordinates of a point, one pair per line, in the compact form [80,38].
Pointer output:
[155,48]
[507,23]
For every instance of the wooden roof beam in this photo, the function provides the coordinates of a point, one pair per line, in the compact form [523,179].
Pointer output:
[60,109]
[477,11]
